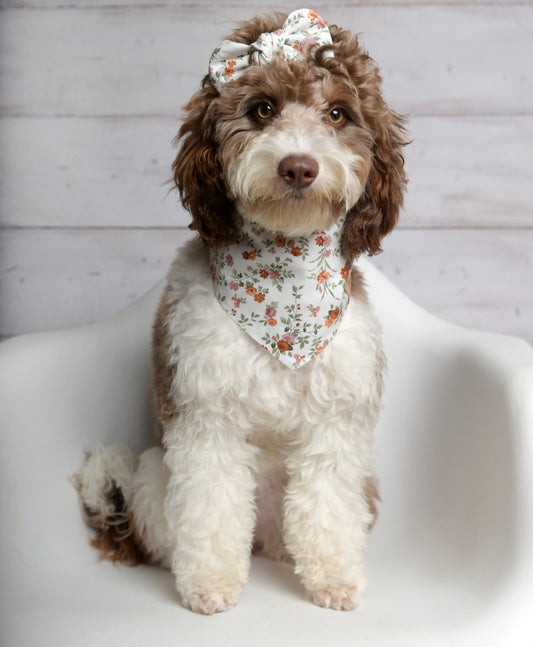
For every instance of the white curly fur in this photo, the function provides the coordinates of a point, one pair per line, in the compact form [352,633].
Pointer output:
[257,446]
[256,455]
[246,424]
[254,181]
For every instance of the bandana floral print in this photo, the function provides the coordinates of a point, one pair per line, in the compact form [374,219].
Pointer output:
[288,294]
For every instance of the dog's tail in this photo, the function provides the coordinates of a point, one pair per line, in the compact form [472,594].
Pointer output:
[104,484]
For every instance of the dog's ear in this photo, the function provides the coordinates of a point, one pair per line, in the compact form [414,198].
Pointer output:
[197,171]
[377,210]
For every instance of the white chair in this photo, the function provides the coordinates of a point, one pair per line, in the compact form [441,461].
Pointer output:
[451,557]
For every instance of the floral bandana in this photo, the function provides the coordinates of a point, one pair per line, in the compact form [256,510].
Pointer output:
[302,31]
[288,294]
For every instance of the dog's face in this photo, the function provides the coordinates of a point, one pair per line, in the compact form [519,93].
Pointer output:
[293,154]
[294,145]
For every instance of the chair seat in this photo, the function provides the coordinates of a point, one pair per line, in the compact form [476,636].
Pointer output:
[450,559]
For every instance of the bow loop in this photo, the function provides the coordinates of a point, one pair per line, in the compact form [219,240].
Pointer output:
[302,31]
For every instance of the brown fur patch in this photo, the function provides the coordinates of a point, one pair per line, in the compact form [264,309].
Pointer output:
[163,372]
[357,286]
[371,494]
[116,538]
[119,543]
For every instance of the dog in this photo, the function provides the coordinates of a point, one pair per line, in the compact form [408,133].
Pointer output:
[268,365]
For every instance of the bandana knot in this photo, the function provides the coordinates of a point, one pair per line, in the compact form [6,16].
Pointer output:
[288,294]
[302,31]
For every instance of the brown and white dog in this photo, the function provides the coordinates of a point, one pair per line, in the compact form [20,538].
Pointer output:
[257,455]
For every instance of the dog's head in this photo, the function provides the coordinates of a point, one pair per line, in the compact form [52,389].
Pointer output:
[293,145]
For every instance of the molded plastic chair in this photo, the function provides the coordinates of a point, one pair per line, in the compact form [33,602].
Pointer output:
[450,559]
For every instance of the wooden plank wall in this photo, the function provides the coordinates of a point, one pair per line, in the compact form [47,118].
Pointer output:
[91,94]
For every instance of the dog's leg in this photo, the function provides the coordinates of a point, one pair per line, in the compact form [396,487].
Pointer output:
[209,509]
[327,517]
[270,495]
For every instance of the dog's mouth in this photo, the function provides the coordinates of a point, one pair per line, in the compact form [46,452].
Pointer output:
[296,214]
[296,195]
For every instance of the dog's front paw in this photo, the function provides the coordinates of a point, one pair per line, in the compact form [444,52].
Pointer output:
[211,602]
[341,598]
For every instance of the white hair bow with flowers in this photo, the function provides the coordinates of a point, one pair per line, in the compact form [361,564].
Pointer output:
[302,31]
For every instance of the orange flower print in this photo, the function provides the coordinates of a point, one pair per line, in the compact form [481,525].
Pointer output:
[323,276]
[314,17]
[333,315]
[272,322]
[280,241]
[283,346]
[296,251]
[323,240]
[345,272]
[251,290]
[259,297]
[229,71]
[249,256]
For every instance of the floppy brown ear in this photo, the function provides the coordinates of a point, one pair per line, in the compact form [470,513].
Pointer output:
[197,172]
[376,213]
[378,208]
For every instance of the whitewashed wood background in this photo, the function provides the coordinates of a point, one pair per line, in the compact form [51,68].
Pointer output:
[91,94]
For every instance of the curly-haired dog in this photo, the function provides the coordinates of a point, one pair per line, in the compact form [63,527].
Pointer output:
[267,357]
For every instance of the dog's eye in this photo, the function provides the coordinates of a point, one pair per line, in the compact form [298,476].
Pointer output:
[264,111]
[336,117]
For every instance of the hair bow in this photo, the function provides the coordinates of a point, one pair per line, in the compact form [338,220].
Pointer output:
[302,31]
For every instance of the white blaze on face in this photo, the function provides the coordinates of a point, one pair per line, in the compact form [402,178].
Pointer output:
[262,195]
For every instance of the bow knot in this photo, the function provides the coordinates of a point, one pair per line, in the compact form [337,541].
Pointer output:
[302,31]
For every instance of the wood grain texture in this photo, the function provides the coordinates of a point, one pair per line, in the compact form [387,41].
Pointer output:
[88,173]
[91,94]
[52,278]
[142,61]
[235,5]
[473,277]
[55,278]
[112,172]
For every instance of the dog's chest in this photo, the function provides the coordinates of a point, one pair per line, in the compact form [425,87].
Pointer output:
[219,367]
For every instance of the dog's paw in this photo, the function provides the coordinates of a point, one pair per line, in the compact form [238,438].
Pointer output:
[341,598]
[210,603]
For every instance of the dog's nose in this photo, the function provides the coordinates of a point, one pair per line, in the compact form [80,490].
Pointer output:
[298,171]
